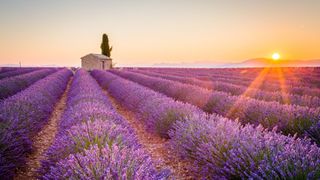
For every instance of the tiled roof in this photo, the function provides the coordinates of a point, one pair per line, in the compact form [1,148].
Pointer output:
[99,56]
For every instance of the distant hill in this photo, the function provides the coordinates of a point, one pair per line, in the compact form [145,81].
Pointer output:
[17,65]
[9,65]
[257,62]
[189,65]
[263,62]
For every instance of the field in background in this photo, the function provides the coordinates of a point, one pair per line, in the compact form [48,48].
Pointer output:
[160,123]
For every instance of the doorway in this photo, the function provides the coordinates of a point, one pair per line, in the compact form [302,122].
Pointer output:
[103,65]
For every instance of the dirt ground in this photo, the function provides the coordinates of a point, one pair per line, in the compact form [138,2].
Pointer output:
[43,140]
[159,148]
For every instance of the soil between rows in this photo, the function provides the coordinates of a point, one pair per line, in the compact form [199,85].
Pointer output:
[43,140]
[158,148]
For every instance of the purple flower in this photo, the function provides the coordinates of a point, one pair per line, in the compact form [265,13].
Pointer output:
[94,141]
[23,115]
[11,85]
[110,162]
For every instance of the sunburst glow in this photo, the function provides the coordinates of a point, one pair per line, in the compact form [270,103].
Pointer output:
[275,56]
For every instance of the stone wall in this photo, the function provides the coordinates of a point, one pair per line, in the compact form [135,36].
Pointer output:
[108,64]
[91,62]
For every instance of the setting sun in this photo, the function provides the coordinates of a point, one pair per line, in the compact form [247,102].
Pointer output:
[275,56]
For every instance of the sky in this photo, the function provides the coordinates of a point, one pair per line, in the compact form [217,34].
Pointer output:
[146,32]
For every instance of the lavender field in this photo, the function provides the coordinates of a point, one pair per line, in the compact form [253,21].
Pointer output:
[160,123]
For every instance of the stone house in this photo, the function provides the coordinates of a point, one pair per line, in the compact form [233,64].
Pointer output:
[96,61]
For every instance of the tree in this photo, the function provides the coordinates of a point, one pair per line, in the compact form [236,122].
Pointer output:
[105,49]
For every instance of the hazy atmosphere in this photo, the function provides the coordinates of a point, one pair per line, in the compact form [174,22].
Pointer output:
[160,90]
[43,32]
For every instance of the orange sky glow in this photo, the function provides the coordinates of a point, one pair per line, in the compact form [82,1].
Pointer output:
[152,32]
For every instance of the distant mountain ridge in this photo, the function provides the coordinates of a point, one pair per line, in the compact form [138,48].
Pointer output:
[257,62]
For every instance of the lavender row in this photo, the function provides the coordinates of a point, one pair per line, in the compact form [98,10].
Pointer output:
[270,75]
[159,111]
[17,72]
[94,141]
[281,97]
[285,87]
[12,85]
[288,118]
[293,76]
[260,82]
[281,84]
[225,149]
[6,69]
[23,115]
[248,72]
[220,148]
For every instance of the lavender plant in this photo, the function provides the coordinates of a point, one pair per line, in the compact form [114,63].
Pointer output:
[15,72]
[297,83]
[94,141]
[288,118]
[7,69]
[159,111]
[10,86]
[234,89]
[219,147]
[110,162]
[222,148]
[23,115]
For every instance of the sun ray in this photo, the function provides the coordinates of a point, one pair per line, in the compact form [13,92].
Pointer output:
[251,89]
[283,85]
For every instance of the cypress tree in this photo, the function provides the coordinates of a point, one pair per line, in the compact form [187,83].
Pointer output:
[105,48]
